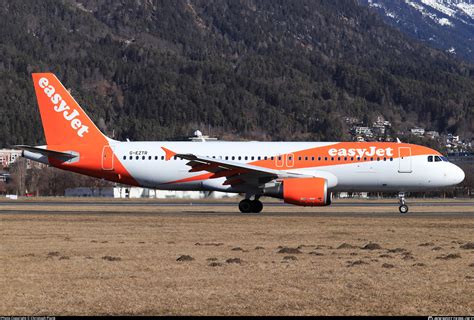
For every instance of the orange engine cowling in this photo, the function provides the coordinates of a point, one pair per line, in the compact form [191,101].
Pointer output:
[302,191]
[306,192]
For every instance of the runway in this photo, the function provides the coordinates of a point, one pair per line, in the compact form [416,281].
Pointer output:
[167,203]
[154,207]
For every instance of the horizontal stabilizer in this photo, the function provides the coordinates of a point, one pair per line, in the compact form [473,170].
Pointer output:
[63,156]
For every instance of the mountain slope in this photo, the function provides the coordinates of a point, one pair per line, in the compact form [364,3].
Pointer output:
[250,69]
[444,24]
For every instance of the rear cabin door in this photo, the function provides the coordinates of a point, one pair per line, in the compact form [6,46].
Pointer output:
[404,156]
[107,158]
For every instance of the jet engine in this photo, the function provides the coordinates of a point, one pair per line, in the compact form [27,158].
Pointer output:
[307,192]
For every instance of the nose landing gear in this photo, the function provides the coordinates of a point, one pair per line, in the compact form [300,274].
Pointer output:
[403,208]
[250,206]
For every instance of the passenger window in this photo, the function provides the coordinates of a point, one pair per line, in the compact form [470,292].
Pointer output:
[279,157]
[430,158]
[338,158]
[137,157]
[290,158]
[299,158]
[253,158]
[149,157]
[265,158]
[272,158]
[352,158]
[319,158]
[233,157]
[131,157]
[124,157]
[175,158]
[305,158]
[332,158]
[391,159]
[227,157]
[325,158]
[162,157]
[240,158]
[143,157]
[156,157]
[345,158]
[312,158]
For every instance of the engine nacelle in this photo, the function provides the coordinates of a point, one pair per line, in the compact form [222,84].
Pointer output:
[301,191]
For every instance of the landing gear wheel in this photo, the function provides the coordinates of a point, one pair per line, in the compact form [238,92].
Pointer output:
[245,206]
[250,206]
[403,208]
[257,206]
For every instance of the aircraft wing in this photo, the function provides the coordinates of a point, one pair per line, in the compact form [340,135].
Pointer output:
[235,172]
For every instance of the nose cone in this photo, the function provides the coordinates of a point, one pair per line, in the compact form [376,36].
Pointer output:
[457,174]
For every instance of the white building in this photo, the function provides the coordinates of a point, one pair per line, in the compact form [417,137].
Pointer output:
[452,138]
[135,192]
[8,156]
[366,131]
[432,134]
[417,131]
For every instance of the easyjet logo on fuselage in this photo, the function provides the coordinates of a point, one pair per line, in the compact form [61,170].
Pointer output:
[361,152]
[61,106]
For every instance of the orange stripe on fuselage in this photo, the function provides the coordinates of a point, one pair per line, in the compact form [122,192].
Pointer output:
[336,151]
[335,155]
[200,177]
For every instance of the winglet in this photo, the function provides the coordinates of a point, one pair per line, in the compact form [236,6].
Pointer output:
[168,153]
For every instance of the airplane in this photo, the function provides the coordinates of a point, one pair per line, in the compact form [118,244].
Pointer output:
[300,173]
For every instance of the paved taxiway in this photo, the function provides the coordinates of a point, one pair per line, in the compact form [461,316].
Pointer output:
[370,208]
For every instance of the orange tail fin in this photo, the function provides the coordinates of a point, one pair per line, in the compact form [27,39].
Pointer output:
[64,121]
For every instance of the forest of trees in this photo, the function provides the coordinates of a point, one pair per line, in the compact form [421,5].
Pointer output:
[246,69]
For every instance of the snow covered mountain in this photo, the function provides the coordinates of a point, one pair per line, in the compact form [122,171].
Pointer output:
[444,24]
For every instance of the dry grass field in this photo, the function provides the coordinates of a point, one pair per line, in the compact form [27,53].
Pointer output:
[121,263]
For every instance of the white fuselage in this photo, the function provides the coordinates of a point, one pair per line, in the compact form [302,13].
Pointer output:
[146,162]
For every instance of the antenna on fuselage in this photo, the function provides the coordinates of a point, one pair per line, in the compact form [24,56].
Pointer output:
[398,141]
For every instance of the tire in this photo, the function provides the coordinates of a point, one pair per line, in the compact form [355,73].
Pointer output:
[257,206]
[403,208]
[245,206]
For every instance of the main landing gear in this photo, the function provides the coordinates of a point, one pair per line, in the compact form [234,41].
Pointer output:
[403,207]
[250,206]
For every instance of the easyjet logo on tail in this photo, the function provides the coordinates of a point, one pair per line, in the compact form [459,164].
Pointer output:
[366,152]
[61,106]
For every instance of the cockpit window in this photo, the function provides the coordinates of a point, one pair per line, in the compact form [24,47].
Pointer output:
[444,159]
[430,158]
[437,159]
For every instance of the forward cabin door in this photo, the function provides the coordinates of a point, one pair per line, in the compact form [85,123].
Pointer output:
[280,160]
[404,156]
[290,160]
[107,158]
